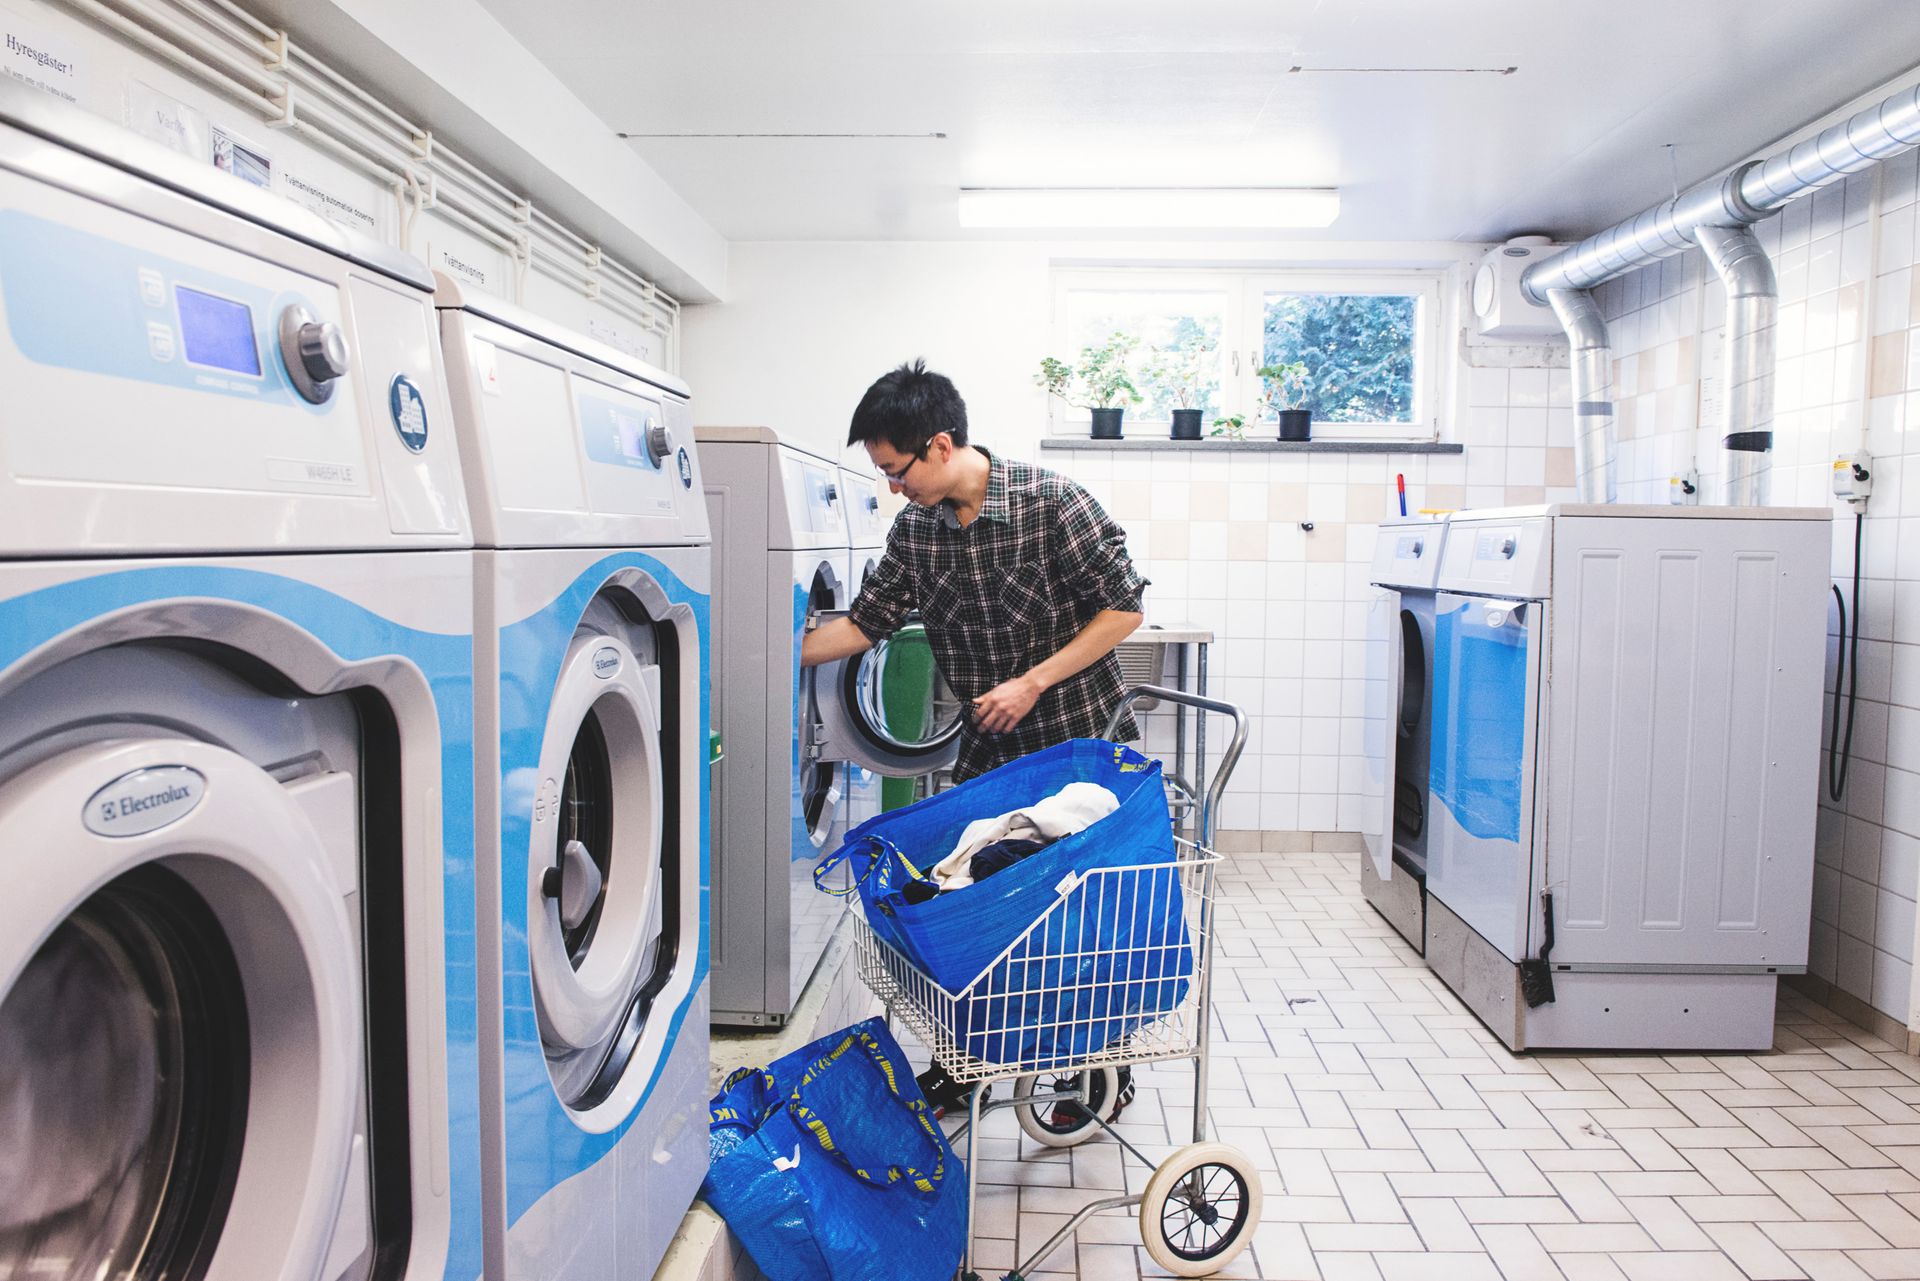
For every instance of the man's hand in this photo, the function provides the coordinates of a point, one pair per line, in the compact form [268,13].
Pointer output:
[1006,704]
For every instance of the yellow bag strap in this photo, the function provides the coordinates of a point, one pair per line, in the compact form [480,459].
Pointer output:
[815,1124]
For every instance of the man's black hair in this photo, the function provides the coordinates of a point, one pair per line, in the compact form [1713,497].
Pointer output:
[907,407]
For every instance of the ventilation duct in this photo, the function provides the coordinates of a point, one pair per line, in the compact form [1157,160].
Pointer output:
[1592,376]
[1736,201]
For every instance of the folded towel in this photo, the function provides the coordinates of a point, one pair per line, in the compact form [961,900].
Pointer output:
[1073,808]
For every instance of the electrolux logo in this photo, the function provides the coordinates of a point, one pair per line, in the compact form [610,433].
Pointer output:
[144,801]
[409,410]
[606,662]
[686,469]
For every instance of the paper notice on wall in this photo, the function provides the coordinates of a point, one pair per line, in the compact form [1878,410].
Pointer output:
[462,264]
[235,155]
[333,202]
[167,121]
[32,56]
[638,343]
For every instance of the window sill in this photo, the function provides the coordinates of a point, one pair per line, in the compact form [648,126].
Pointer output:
[1158,444]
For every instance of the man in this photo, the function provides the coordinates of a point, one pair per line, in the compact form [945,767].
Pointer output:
[1024,585]
[1023,582]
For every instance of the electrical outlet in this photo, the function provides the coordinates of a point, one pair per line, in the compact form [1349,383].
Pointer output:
[1853,478]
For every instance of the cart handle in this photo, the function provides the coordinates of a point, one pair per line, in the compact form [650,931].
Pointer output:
[1228,759]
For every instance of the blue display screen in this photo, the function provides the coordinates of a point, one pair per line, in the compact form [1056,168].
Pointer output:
[217,332]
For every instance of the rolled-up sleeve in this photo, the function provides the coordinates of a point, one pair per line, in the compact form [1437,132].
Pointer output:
[888,595]
[1092,555]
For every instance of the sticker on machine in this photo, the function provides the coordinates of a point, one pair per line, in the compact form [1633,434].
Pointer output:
[289,471]
[144,801]
[34,57]
[234,155]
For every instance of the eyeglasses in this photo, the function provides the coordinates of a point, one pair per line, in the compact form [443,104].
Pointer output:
[899,477]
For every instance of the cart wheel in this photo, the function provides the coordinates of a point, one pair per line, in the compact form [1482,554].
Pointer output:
[1200,1209]
[1065,1123]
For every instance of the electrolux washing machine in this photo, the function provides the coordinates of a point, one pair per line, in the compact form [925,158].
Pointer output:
[781,545]
[1626,745]
[1399,721]
[235,685]
[590,640]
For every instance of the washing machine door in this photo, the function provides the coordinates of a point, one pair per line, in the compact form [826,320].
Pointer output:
[611,886]
[889,710]
[179,1007]
[1385,668]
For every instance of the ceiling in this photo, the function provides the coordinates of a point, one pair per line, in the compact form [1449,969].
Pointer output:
[1121,93]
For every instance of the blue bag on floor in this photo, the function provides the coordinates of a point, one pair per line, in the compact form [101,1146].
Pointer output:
[1115,956]
[828,1166]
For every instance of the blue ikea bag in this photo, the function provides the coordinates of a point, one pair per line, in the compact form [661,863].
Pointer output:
[1032,984]
[828,1166]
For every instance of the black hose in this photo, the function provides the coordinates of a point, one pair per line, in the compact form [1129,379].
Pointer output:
[1839,754]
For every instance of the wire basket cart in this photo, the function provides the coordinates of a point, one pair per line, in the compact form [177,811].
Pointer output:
[1060,1014]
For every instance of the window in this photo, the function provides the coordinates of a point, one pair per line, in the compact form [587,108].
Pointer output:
[1366,342]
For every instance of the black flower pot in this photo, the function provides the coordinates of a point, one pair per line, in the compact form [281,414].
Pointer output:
[1296,424]
[1106,423]
[1186,425]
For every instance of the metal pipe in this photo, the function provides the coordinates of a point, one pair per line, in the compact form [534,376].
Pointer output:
[1591,368]
[1753,304]
[1744,196]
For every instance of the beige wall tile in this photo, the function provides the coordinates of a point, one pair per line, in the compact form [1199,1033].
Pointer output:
[1247,540]
[1286,500]
[1526,495]
[1366,504]
[1449,498]
[1208,498]
[1327,542]
[1888,373]
[1170,539]
[1560,466]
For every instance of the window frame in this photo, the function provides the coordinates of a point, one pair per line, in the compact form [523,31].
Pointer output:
[1242,317]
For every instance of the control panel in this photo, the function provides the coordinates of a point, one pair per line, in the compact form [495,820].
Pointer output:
[816,508]
[180,379]
[1497,557]
[1407,553]
[867,524]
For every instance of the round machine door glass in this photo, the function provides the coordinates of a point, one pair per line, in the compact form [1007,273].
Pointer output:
[604,885]
[819,790]
[124,1085]
[890,709]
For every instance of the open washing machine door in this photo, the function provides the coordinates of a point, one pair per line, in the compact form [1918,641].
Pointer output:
[612,873]
[179,987]
[888,710]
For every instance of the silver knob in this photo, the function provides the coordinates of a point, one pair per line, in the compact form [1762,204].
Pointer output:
[659,441]
[314,352]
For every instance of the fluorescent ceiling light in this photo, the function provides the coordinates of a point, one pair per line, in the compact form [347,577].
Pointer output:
[1138,207]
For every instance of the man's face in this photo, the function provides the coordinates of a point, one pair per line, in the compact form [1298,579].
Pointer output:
[922,477]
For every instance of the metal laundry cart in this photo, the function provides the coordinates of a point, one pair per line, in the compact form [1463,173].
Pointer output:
[1201,1205]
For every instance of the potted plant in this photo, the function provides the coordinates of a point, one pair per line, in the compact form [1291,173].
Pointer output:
[1102,374]
[1233,427]
[1179,371]
[1284,384]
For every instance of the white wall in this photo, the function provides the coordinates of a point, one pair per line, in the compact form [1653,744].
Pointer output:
[808,325]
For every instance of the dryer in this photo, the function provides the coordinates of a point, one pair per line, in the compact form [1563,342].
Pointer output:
[592,574]
[1399,721]
[782,549]
[235,688]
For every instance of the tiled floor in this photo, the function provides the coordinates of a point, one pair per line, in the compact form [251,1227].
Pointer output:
[1399,1141]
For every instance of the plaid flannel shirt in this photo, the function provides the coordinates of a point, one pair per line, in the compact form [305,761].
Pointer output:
[1006,593]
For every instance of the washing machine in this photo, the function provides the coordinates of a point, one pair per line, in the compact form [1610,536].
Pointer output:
[235,755]
[1626,749]
[782,548]
[592,574]
[1399,721]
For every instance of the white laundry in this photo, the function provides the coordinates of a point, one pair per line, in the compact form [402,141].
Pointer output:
[1073,808]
